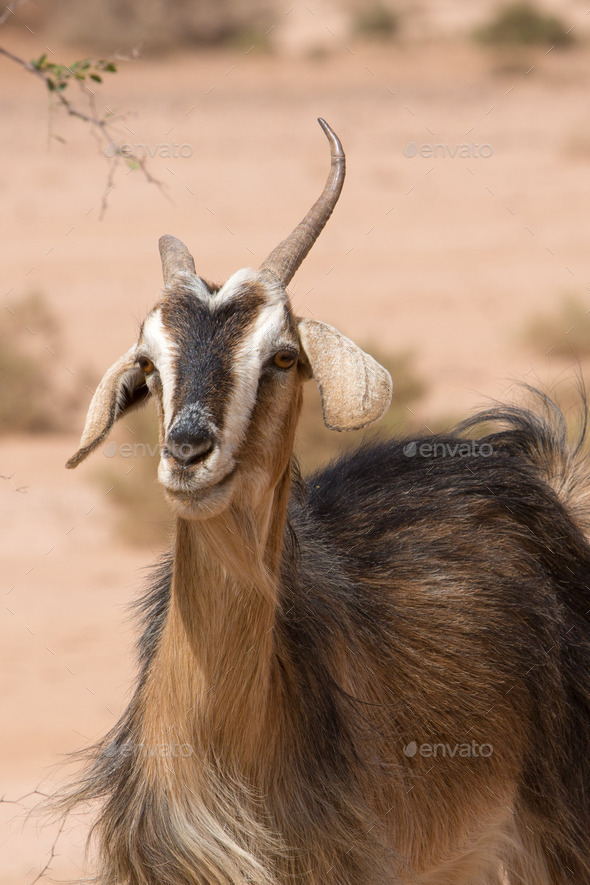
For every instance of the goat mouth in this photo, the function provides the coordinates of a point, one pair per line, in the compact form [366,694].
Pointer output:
[184,485]
[201,502]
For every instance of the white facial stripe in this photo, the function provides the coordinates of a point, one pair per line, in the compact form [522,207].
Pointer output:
[162,350]
[194,284]
[248,360]
[234,287]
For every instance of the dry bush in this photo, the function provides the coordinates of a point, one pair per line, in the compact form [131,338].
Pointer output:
[30,401]
[120,25]
[129,477]
[523,24]
[376,21]
[565,333]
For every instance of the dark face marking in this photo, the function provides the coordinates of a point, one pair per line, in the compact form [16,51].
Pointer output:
[207,337]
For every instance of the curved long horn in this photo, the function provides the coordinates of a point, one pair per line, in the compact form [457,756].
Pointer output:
[285,259]
[175,258]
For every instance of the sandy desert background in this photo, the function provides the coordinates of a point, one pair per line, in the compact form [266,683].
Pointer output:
[465,266]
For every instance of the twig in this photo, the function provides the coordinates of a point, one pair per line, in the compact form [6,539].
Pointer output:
[52,850]
[109,186]
[20,800]
[10,10]
[52,854]
[99,126]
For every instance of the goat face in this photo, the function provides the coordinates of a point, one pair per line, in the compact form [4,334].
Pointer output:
[225,367]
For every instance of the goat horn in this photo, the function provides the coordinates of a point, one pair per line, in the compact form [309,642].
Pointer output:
[175,258]
[285,259]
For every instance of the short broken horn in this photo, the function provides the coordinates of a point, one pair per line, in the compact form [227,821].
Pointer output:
[175,258]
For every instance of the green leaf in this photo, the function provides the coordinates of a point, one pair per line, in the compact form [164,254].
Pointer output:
[96,78]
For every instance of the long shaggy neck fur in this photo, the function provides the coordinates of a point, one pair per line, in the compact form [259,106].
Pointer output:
[194,756]
[219,634]
[211,690]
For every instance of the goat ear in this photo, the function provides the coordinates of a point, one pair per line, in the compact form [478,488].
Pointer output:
[122,388]
[355,389]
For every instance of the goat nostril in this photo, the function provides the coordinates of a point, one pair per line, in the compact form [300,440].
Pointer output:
[198,454]
[187,454]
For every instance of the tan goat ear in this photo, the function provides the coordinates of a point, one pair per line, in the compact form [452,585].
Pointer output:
[122,388]
[355,389]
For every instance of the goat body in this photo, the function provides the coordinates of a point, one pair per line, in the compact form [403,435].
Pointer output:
[379,675]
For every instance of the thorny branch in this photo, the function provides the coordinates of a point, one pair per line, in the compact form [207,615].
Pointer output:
[56,78]
[21,799]
[51,855]
[52,850]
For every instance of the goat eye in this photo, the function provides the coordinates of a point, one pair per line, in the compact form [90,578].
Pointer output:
[284,359]
[146,365]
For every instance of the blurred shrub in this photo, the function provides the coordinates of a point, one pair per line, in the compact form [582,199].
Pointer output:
[376,20]
[29,363]
[156,24]
[129,477]
[565,333]
[521,23]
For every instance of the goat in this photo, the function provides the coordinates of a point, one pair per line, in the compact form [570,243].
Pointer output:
[376,676]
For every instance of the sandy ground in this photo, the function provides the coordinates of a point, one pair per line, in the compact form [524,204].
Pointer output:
[446,257]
